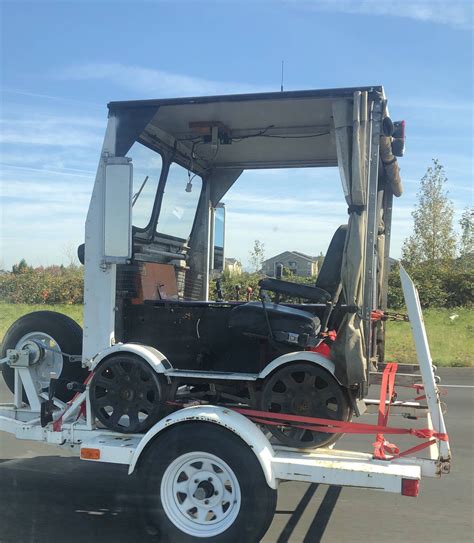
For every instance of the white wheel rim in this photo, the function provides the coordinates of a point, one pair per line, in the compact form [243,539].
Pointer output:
[51,362]
[200,494]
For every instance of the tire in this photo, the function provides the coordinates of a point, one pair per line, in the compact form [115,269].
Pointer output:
[63,333]
[126,394]
[305,389]
[198,453]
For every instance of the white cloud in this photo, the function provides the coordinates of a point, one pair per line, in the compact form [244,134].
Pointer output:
[148,81]
[457,13]
[50,160]
[49,130]
[41,213]
[49,97]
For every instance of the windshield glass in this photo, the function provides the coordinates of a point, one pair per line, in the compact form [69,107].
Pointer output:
[147,165]
[180,201]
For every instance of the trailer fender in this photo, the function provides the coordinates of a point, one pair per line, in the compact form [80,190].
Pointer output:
[305,356]
[231,420]
[157,360]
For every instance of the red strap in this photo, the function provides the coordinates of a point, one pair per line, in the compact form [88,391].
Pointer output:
[376,315]
[415,449]
[58,424]
[381,445]
[330,426]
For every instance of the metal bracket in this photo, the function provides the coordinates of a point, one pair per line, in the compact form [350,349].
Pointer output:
[18,358]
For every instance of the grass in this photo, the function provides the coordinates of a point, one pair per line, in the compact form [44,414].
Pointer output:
[451,340]
[11,312]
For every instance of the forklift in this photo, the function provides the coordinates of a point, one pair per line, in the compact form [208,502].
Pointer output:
[216,401]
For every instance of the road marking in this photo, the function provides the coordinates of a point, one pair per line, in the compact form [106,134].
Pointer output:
[456,386]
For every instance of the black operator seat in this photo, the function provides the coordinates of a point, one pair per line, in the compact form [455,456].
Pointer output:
[328,282]
[329,277]
[290,325]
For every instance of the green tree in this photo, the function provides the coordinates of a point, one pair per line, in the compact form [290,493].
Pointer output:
[433,237]
[466,246]
[257,255]
[21,267]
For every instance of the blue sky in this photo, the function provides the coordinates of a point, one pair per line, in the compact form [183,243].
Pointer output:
[63,61]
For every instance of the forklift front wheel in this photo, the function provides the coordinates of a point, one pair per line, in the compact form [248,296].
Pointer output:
[204,484]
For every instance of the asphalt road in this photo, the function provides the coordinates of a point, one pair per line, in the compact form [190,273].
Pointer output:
[47,495]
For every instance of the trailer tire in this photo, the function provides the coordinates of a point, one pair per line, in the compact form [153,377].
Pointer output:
[203,484]
[67,335]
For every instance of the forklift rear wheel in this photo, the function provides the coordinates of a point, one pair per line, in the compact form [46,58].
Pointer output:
[204,484]
[126,394]
[310,391]
[58,333]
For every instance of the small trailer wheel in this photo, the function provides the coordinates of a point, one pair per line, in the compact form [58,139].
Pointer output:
[204,484]
[59,333]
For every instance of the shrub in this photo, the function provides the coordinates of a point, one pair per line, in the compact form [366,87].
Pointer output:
[51,285]
[441,285]
[230,282]
[244,280]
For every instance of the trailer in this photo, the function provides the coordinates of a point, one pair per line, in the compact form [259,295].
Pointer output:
[214,402]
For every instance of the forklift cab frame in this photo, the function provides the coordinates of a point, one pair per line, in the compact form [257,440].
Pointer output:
[217,138]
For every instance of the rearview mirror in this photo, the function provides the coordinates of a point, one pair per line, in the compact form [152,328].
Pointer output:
[118,210]
[218,258]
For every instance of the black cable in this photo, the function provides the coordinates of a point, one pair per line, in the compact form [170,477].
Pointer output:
[256,135]
[198,140]
[43,346]
[296,137]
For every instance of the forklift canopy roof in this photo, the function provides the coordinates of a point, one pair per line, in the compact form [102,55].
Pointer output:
[265,130]
[217,137]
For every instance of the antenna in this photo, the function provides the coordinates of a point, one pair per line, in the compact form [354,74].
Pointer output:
[282,66]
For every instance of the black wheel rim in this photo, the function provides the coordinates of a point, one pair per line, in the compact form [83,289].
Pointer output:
[125,395]
[306,390]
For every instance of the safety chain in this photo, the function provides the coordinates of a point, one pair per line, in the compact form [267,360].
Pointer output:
[379,315]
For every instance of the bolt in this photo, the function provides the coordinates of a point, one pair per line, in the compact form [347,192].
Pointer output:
[206,502]
[210,479]
[196,481]
[216,493]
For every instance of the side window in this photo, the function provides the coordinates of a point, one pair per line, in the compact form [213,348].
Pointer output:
[179,205]
[147,166]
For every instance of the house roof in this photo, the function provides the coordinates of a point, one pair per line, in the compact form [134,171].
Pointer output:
[294,253]
[303,255]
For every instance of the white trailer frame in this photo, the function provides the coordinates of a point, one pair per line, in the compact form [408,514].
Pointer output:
[78,431]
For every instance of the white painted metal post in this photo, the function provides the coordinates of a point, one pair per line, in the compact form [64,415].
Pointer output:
[18,388]
[99,278]
[424,360]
